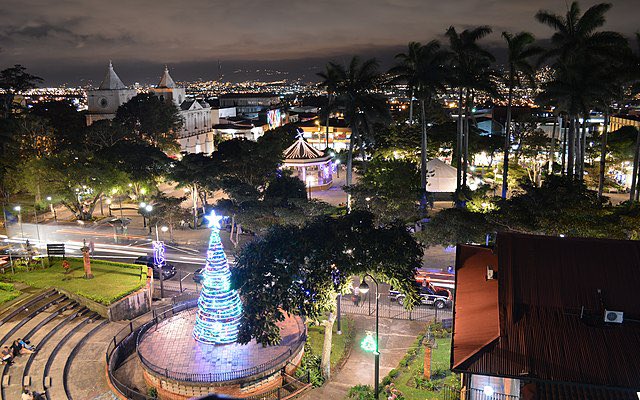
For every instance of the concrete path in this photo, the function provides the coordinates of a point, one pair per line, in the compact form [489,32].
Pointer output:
[395,338]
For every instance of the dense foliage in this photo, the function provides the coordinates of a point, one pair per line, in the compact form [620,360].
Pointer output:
[299,270]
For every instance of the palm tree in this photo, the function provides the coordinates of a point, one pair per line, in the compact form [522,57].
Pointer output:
[576,43]
[354,90]
[329,82]
[520,50]
[470,67]
[407,71]
[426,72]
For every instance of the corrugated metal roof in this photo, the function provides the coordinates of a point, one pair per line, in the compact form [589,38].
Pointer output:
[552,296]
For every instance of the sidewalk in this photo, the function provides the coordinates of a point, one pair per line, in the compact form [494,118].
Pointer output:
[395,338]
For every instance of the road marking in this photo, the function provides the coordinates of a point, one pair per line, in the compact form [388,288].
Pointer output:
[184,277]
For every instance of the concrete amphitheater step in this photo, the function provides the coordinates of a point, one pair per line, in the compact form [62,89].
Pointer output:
[60,346]
[57,369]
[45,348]
[26,313]
[86,376]
[8,310]
[42,330]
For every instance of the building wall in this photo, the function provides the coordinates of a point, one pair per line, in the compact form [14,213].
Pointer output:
[616,123]
[103,104]
[177,95]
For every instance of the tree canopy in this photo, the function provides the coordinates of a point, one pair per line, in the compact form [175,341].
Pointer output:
[299,270]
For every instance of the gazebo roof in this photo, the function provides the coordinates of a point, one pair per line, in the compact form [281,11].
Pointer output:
[301,150]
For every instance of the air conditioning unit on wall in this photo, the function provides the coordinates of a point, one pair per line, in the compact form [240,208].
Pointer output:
[615,317]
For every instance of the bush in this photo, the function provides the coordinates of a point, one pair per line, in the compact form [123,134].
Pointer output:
[311,365]
[8,287]
[361,392]
[152,392]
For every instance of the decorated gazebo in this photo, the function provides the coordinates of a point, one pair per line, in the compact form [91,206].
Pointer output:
[311,165]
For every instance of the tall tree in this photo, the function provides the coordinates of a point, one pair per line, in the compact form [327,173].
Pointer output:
[151,120]
[577,46]
[407,71]
[470,71]
[306,267]
[15,80]
[355,92]
[329,82]
[520,50]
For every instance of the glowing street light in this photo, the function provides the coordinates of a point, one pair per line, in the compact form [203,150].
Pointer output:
[366,343]
[19,209]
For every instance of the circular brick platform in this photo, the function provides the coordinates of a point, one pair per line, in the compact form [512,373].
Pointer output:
[180,367]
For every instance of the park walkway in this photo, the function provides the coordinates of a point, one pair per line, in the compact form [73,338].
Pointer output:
[396,336]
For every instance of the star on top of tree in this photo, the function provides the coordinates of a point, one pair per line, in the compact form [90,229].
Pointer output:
[213,220]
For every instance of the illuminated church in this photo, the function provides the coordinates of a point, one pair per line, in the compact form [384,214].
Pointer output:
[196,135]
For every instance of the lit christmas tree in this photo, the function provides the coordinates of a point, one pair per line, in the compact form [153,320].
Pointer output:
[219,307]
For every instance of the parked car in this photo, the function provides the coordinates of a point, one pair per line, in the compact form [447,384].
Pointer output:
[168,270]
[430,295]
[198,276]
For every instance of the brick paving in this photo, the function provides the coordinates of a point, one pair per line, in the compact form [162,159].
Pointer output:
[172,347]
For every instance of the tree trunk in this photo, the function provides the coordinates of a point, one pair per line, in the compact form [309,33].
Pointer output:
[634,176]
[411,108]
[423,151]
[325,363]
[194,196]
[583,145]
[563,131]
[459,142]
[507,144]
[603,156]
[328,115]
[572,147]
[552,152]
[467,111]
[352,138]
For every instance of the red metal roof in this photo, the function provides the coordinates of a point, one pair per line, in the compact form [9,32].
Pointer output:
[551,300]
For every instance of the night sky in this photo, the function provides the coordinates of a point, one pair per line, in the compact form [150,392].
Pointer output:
[72,40]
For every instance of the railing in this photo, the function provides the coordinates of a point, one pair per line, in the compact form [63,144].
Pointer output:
[122,346]
[269,366]
[390,308]
[480,394]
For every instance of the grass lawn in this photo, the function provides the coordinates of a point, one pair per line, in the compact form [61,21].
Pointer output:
[339,342]
[111,282]
[7,292]
[439,365]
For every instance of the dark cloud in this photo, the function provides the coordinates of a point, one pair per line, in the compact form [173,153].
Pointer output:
[71,40]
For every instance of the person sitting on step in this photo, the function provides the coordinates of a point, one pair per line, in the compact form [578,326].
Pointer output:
[7,357]
[26,346]
[26,394]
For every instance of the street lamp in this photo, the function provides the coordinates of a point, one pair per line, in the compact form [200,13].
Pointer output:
[148,208]
[18,209]
[143,206]
[53,210]
[364,288]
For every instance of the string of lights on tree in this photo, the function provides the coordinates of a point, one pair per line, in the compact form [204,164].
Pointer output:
[219,307]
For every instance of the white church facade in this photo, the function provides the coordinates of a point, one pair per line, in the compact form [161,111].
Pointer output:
[196,134]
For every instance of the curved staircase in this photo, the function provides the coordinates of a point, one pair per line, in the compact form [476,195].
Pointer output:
[61,329]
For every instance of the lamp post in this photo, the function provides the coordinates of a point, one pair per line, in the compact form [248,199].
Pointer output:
[53,210]
[364,288]
[143,205]
[148,208]
[18,209]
